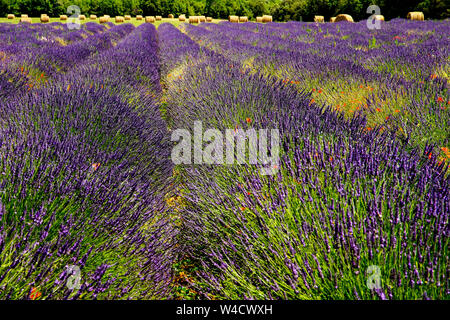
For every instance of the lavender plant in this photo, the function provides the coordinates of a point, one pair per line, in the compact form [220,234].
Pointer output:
[84,173]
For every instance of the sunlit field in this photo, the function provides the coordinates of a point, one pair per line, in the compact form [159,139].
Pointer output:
[93,205]
[133,21]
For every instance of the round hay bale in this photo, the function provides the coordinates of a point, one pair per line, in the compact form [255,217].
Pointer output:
[82,17]
[120,19]
[416,15]
[202,18]
[194,19]
[343,17]
[45,18]
[158,18]
[266,19]
[24,16]
[150,19]
[93,17]
[104,19]
[319,19]
[209,19]
[139,17]
[127,17]
[182,18]
[379,17]
[107,16]
[63,17]
[25,20]
[259,19]
[332,19]
[11,16]
[170,16]
[233,19]
[243,19]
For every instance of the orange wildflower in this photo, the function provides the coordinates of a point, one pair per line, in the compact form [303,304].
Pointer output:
[446,151]
[35,293]
[68,87]
[95,166]
[248,120]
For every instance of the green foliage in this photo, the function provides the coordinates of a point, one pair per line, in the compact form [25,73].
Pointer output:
[281,10]
[439,9]
[306,9]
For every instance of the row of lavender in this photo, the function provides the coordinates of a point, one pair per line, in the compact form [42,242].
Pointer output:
[395,76]
[31,55]
[345,203]
[84,170]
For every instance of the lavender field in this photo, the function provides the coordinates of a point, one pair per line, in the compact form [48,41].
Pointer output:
[92,205]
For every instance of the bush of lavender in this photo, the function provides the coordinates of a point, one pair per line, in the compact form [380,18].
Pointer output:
[84,173]
[348,204]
